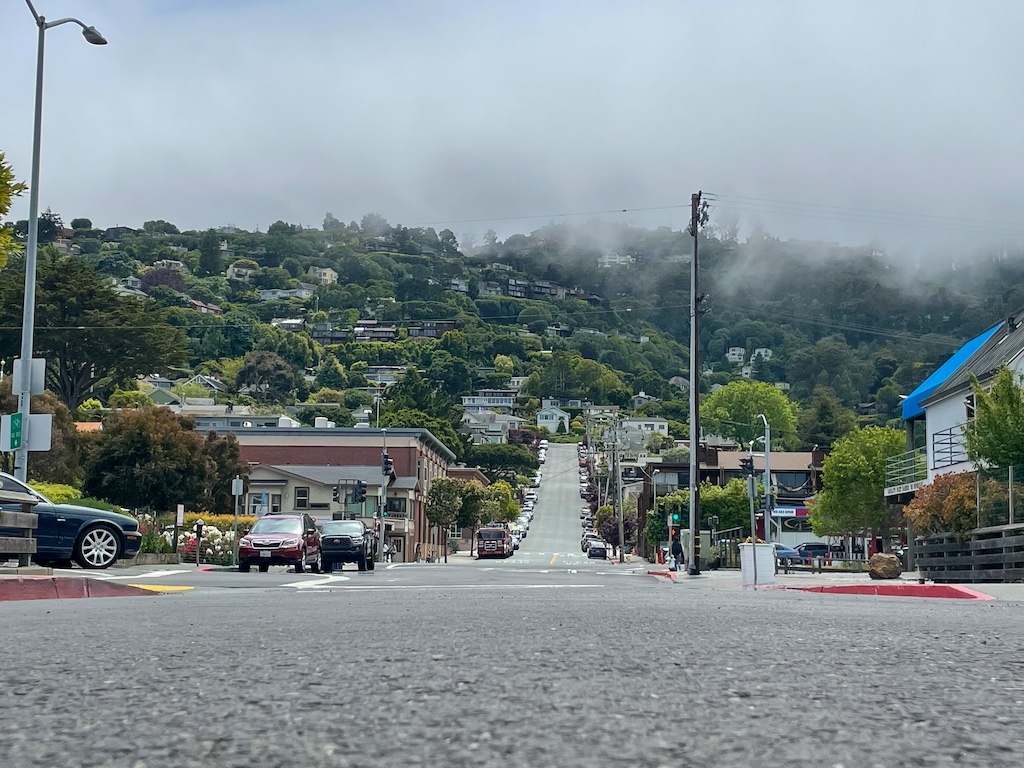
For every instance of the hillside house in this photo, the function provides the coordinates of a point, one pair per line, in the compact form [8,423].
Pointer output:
[553,419]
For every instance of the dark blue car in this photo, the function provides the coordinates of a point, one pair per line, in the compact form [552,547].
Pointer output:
[93,538]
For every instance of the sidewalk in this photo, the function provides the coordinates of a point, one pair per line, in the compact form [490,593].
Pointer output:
[806,580]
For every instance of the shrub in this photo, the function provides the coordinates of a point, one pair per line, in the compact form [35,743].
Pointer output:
[221,522]
[57,492]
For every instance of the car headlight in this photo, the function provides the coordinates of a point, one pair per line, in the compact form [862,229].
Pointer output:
[245,542]
[290,542]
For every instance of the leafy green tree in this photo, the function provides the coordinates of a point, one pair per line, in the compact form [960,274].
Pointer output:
[502,461]
[331,375]
[159,227]
[676,456]
[60,464]
[853,478]
[148,459]
[224,462]
[87,334]
[730,503]
[268,377]
[444,501]
[341,417]
[90,410]
[996,434]
[77,224]
[825,420]
[500,503]
[9,189]
[210,261]
[732,411]
[128,398]
[414,419]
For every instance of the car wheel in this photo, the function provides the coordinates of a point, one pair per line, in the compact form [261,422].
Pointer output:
[244,567]
[361,563]
[97,547]
[300,564]
[371,563]
[264,567]
[318,564]
[326,566]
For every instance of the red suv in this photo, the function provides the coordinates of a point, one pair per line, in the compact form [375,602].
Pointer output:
[281,540]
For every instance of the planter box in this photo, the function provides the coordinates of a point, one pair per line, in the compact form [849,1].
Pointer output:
[149,558]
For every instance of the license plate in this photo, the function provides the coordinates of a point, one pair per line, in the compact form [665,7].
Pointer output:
[265,554]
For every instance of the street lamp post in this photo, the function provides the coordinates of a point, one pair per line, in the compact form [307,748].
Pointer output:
[767,479]
[24,383]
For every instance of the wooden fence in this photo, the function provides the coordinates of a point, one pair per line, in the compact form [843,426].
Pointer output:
[994,554]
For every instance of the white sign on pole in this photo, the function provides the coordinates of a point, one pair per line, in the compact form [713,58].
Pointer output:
[237,486]
[181,515]
[38,385]
[40,431]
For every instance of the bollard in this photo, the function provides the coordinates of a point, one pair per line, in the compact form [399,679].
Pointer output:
[199,538]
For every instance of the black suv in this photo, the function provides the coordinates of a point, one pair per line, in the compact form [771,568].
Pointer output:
[347,541]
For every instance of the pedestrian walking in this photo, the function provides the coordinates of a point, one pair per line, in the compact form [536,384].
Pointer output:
[677,554]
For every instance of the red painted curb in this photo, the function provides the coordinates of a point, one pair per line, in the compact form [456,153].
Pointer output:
[63,588]
[666,574]
[954,591]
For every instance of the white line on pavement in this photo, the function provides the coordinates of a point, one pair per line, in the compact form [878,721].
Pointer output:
[150,575]
[469,586]
[327,581]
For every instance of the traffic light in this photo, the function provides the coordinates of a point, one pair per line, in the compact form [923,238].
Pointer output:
[387,464]
[747,465]
[337,494]
[359,492]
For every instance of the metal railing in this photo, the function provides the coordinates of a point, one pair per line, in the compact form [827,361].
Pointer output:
[948,447]
[905,468]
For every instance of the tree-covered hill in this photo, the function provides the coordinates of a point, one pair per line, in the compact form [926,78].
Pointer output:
[595,311]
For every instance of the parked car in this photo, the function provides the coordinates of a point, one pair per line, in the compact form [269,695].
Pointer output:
[599,549]
[281,540]
[347,541]
[786,555]
[812,549]
[587,539]
[93,538]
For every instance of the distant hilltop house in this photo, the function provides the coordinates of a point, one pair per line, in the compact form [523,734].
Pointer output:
[323,275]
[459,285]
[497,400]
[553,419]
[608,260]
[430,329]
[303,291]
[172,264]
[240,272]
[372,330]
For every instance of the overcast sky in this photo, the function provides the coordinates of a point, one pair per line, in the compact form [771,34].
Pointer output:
[210,112]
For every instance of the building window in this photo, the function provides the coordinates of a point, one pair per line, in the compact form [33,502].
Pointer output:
[275,503]
[302,497]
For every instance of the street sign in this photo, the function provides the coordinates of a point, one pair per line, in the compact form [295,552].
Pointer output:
[237,486]
[38,373]
[180,519]
[10,432]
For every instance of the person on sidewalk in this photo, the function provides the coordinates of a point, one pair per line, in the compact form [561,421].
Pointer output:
[677,554]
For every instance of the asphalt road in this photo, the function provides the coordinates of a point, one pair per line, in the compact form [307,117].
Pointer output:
[554,536]
[503,663]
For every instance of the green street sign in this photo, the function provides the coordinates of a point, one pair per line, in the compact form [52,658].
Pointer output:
[13,432]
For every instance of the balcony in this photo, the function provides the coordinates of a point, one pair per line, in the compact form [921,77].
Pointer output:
[906,472]
[948,447]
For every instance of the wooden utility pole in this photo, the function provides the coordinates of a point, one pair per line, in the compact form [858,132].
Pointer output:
[698,217]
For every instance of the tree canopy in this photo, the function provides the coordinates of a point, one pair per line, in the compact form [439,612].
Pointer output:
[853,478]
[734,411]
[996,434]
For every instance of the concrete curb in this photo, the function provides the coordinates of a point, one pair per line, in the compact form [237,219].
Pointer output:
[663,574]
[64,588]
[954,591]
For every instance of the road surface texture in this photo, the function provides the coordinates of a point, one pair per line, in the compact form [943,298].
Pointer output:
[526,662]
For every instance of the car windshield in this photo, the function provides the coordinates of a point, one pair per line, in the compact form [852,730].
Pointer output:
[343,528]
[10,484]
[277,525]
[491,535]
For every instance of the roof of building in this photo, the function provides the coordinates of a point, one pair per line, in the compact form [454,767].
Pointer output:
[997,350]
[912,405]
[330,474]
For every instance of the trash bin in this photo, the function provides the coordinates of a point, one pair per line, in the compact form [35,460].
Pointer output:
[765,554]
